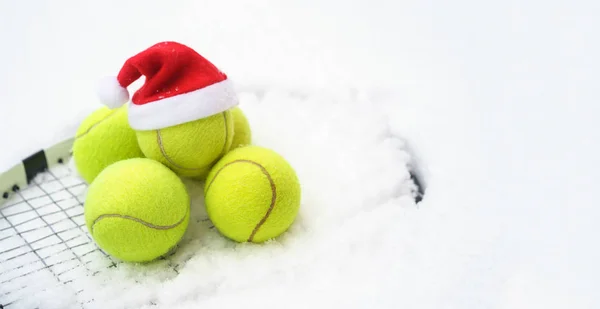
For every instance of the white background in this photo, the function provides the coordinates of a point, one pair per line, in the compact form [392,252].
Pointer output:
[499,102]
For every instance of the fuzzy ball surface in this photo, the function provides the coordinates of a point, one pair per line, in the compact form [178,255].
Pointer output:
[242,134]
[102,139]
[252,194]
[137,210]
[192,148]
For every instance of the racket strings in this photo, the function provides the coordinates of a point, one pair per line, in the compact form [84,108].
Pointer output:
[43,235]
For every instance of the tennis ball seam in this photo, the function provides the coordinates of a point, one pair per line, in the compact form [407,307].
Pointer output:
[88,130]
[164,152]
[138,220]
[273,191]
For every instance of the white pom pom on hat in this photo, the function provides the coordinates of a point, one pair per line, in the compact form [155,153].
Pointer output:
[180,86]
[111,93]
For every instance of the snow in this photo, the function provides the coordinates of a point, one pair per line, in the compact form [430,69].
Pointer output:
[497,102]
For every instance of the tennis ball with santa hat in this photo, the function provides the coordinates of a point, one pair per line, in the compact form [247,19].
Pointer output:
[181,114]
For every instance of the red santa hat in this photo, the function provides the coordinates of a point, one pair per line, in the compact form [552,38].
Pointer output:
[180,86]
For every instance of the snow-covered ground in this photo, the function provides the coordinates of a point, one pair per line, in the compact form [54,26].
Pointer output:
[497,101]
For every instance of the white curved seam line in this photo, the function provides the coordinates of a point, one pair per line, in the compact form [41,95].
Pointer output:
[148,224]
[164,152]
[94,125]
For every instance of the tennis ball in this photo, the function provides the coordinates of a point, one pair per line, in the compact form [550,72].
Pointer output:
[137,210]
[192,148]
[242,135]
[103,138]
[252,194]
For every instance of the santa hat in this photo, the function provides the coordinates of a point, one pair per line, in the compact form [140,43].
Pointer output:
[180,86]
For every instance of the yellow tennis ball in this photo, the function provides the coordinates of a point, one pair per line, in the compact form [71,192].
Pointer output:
[137,210]
[102,139]
[252,194]
[242,135]
[192,148]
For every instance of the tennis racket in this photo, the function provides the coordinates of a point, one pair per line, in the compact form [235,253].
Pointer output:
[43,238]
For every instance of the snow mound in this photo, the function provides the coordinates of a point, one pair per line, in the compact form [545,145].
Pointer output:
[355,186]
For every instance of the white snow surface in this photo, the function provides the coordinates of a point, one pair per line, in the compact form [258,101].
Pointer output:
[496,103]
